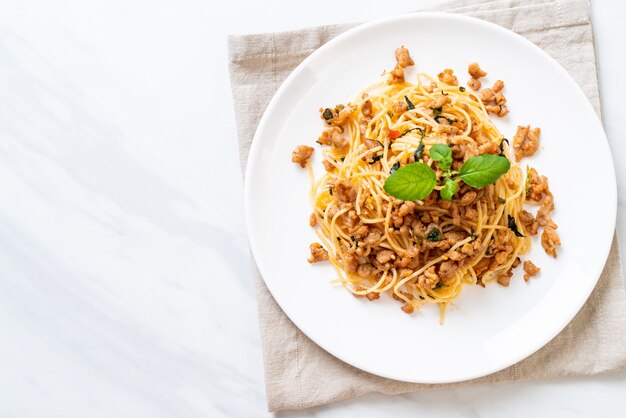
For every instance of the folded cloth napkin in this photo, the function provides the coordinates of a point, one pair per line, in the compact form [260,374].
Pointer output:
[298,373]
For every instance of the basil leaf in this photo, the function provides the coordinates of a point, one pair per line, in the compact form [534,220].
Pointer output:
[394,167]
[412,129]
[513,227]
[484,170]
[433,235]
[375,159]
[449,189]
[502,145]
[419,151]
[442,154]
[409,104]
[411,182]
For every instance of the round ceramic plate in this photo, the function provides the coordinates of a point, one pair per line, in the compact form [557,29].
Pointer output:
[487,329]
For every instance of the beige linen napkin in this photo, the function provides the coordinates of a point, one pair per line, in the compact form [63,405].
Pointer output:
[298,373]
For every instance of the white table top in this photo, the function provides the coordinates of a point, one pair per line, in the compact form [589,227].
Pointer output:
[125,289]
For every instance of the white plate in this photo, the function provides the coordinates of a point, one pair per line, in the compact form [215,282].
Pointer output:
[488,329]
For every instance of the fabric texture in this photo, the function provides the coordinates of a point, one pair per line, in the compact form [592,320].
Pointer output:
[298,373]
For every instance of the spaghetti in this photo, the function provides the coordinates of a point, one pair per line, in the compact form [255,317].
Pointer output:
[424,251]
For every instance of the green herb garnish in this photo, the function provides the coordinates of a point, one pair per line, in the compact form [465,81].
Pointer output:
[442,154]
[328,114]
[513,227]
[483,170]
[411,182]
[418,151]
[462,89]
[433,235]
[375,159]
[409,104]
[437,111]
[502,145]
[412,129]
[416,181]
[394,167]
[450,187]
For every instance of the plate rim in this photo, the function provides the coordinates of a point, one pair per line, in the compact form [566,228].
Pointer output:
[611,201]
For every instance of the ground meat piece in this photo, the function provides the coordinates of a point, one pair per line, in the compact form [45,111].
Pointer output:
[328,165]
[403,58]
[411,254]
[468,198]
[372,296]
[529,222]
[396,75]
[312,220]
[536,186]
[498,86]
[342,115]
[370,143]
[366,108]
[549,241]
[406,208]
[474,84]
[474,70]
[301,154]
[408,308]
[329,136]
[438,101]
[500,99]
[489,148]
[373,237]
[360,231]
[384,256]
[487,95]
[447,76]
[505,278]
[526,142]
[344,191]
[318,253]
[543,215]
[447,269]
[428,279]
[503,111]
[351,262]
[530,270]
[398,107]
[364,270]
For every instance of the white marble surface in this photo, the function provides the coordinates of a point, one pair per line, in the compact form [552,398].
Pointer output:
[125,287]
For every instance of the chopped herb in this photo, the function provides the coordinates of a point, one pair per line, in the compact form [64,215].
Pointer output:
[328,114]
[513,227]
[318,141]
[380,143]
[394,167]
[338,239]
[330,190]
[433,235]
[488,252]
[413,129]
[409,104]
[472,234]
[501,200]
[439,286]
[375,159]
[343,159]
[437,111]
[390,113]
[352,237]
[502,145]
[462,89]
[419,151]
[443,93]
